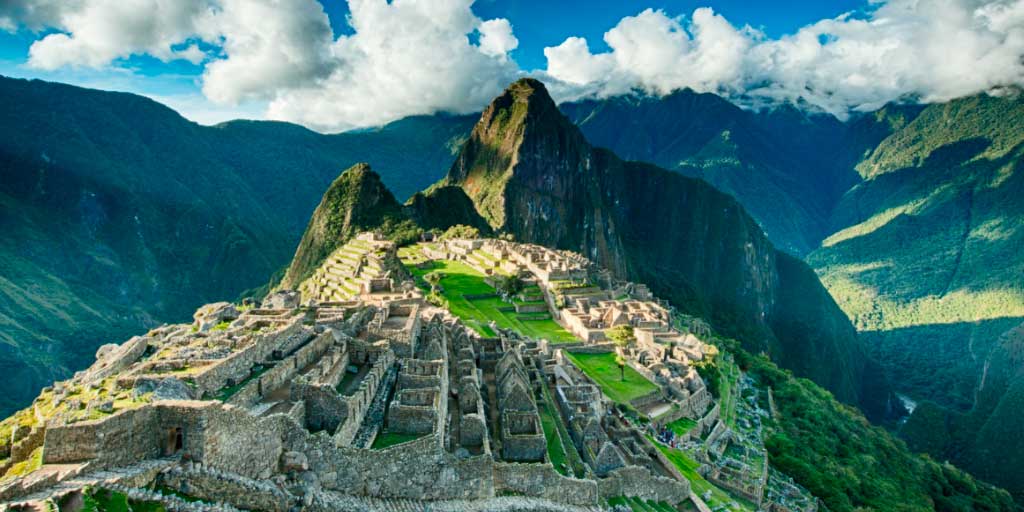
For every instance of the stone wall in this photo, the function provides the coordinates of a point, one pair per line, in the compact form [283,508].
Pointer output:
[542,481]
[639,482]
[325,409]
[221,436]
[414,411]
[359,402]
[283,371]
[415,470]
[123,438]
[237,366]
[215,486]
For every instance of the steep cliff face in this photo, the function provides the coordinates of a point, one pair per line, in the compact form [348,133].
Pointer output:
[356,201]
[532,173]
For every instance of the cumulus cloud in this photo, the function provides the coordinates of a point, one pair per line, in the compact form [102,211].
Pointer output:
[496,38]
[406,57]
[94,33]
[928,50]
[267,46]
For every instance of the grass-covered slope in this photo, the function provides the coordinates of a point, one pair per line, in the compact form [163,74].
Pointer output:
[926,261]
[117,214]
[926,253]
[531,173]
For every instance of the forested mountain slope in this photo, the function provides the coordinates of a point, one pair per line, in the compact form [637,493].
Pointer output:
[116,213]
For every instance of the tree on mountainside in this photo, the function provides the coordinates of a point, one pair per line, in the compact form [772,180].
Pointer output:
[508,285]
[461,231]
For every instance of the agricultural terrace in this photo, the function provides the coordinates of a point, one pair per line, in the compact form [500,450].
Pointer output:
[719,499]
[620,386]
[483,305]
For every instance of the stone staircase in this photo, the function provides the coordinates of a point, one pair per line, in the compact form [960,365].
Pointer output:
[65,479]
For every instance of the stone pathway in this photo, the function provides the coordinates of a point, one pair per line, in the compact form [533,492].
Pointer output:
[103,477]
[340,502]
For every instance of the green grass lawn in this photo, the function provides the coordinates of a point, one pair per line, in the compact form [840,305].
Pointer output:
[574,459]
[604,371]
[682,426]
[556,452]
[461,280]
[730,374]
[688,467]
[386,439]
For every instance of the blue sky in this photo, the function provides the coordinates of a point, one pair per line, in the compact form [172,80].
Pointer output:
[537,24]
[214,60]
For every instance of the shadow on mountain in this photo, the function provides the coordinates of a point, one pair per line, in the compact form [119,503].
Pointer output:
[985,439]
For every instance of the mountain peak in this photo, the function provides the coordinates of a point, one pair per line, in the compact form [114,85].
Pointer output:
[356,201]
[522,123]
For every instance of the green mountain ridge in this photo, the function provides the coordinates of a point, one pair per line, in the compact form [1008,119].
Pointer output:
[531,173]
[925,260]
[118,214]
[829,447]
[783,165]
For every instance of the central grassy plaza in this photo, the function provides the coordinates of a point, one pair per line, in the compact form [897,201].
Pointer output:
[470,298]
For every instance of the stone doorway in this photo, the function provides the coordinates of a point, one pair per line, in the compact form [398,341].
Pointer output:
[174,441]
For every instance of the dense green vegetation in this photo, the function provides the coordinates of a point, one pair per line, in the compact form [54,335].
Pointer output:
[834,452]
[688,468]
[780,164]
[357,201]
[124,215]
[620,387]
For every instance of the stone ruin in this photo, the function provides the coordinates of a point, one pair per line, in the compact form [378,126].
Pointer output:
[282,405]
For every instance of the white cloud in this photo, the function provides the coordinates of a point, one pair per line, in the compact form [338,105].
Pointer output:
[269,45]
[94,33]
[931,50]
[496,38]
[405,57]
[408,57]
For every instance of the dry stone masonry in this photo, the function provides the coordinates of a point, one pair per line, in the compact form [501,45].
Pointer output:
[354,393]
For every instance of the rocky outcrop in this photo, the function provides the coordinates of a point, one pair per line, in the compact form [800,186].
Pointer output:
[530,172]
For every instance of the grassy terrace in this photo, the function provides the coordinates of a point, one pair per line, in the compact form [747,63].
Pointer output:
[730,376]
[228,392]
[386,439]
[688,467]
[560,447]
[681,426]
[604,371]
[460,280]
